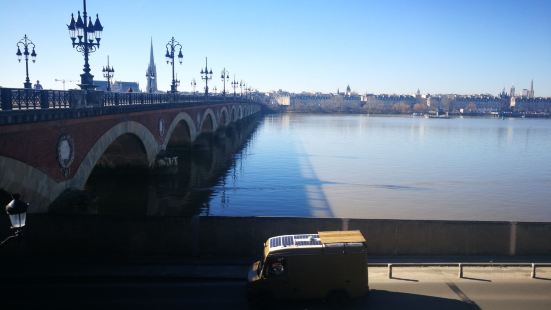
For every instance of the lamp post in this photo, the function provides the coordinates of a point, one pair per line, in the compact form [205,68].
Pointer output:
[17,212]
[171,47]
[193,85]
[108,73]
[242,85]
[224,76]
[234,84]
[150,75]
[25,43]
[206,75]
[215,90]
[86,32]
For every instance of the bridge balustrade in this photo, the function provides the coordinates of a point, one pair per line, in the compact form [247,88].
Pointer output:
[30,105]
[30,99]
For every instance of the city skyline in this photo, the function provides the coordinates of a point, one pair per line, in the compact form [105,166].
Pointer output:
[391,47]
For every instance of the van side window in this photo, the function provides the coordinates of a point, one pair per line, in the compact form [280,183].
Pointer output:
[277,267]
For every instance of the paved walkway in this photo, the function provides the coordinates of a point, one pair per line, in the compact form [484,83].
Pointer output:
[215,286]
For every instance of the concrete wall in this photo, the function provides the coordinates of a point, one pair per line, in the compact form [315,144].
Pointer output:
[101,236]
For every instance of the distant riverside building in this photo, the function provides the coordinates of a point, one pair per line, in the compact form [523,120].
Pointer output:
[118,86]
[506,101]
[151,73]
[320,102]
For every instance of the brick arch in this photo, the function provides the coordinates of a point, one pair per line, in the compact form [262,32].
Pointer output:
[150,145]
[224,115]
[35,187]
[233,113]
[213,118]
[180,117]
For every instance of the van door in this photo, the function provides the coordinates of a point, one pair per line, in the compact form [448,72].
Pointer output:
[277,275]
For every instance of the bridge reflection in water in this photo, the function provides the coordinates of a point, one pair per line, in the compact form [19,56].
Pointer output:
[182,187]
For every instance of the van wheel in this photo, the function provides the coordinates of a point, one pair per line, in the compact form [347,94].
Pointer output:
[337,299]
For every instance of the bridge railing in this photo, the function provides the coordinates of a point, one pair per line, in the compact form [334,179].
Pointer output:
[16,99]
[30,99]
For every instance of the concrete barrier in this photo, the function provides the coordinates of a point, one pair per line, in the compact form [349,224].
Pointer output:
[243,237]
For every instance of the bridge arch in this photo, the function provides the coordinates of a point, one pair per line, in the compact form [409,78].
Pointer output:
[224,121]
[233,114]
[240,112]
[180,119]
[130,128]
[35,187]
[208,123]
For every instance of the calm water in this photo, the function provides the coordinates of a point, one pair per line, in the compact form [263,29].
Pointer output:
[361,166]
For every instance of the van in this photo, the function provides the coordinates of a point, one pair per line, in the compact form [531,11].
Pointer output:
[330,264]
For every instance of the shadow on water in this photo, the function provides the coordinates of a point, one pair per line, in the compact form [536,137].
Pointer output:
[269,176]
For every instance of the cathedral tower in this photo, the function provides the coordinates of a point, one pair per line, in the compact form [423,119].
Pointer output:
[151,73]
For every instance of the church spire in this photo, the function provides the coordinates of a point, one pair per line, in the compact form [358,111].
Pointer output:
[151,72]
[151,61]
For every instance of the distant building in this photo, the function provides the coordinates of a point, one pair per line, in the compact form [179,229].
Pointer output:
[151,73]
[118,86]
[121,86]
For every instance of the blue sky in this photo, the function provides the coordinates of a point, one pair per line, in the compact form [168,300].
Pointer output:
[375,46]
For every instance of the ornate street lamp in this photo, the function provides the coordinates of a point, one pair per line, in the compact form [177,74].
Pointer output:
[86,32]
[150,75]
[17,212]
[25,43]
[234,84]
[214,89]
[193,85]
[224,76]
[242,85]
[108,73]
[206,75]
[171,47]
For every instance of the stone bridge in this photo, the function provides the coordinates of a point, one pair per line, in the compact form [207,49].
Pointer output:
[51,141]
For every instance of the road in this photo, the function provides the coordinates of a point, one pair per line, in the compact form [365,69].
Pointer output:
[411,288]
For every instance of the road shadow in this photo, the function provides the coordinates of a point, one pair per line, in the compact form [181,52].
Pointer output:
[541,278]
[404,279]
[476,279]
[381,299]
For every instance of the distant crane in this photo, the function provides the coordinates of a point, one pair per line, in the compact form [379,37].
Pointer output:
[63,81]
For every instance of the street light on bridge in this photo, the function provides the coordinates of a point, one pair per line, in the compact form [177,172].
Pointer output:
[171,47]
[224,76]
[25,43]
[193,85]
[234,84]
[242,85]
[150,75]
[206,75]
[86,32]
[108,73]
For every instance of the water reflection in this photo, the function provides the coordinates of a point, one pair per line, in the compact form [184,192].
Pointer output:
[182,189]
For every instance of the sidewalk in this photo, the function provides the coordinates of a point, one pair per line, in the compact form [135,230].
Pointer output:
[229,270]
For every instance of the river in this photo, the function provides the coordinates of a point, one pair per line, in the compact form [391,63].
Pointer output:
[395,167]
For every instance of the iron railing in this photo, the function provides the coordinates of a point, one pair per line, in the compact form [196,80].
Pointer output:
[29,99]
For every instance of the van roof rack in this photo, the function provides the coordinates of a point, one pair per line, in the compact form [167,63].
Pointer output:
[348,236]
